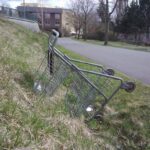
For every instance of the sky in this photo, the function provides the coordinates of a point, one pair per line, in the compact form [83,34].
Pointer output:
[52,3]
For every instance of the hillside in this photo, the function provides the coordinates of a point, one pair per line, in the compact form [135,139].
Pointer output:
[29,121]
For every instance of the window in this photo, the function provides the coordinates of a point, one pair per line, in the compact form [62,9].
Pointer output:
[38,14]
[57,16]
[47,16]
[47,21]
[57,23]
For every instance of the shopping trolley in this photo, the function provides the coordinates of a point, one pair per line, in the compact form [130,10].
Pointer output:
[89,86]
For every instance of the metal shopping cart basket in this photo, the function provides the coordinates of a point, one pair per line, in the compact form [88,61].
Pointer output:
[89,86]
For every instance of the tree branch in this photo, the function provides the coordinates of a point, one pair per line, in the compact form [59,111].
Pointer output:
[113,8]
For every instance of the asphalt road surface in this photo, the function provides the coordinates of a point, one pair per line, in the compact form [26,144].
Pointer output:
[135,64]
[31,25]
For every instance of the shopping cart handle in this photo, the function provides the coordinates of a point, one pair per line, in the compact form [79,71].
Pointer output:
[55,33]
[128,86]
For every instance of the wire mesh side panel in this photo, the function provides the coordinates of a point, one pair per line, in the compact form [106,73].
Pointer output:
[47,81]
[60,72]
[98,75]
[81,98]
[80,94]
[108,85]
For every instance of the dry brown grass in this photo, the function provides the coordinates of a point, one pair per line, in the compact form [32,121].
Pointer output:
[27,120]
[31,121]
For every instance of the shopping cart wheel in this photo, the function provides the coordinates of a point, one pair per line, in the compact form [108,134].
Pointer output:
[99,117]
[128,86]
[110,72]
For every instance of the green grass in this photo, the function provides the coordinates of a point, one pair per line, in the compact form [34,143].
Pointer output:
[119,44]
[28,119]
[40,122]
[131,123]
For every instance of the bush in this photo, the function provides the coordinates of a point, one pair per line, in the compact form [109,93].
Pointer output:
[100,35]
[96,36]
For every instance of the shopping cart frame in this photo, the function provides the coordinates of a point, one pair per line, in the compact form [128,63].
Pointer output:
[70,62]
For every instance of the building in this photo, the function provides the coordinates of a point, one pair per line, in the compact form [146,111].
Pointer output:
[67,22]
[6,11]
[48,18]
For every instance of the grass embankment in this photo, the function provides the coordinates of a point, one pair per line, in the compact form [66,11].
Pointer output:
[25,119]
[28,121]
[119,44]
[130,127]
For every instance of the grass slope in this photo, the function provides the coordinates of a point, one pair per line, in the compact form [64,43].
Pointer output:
[27,121]
[129,128]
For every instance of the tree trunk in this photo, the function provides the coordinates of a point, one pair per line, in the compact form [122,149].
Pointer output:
[85,28]
[79,34]
[106,23]
[76,35]
[107,20]
[147,32]
[106,32]
[85,33]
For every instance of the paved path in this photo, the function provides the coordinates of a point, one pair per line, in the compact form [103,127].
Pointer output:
[133,63]
[31,25]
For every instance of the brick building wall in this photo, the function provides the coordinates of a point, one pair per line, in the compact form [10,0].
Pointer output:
[48,18]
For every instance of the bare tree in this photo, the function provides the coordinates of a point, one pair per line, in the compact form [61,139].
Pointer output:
[107,15]
[93,24]
[76,17]
[82,10]
[87,7]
